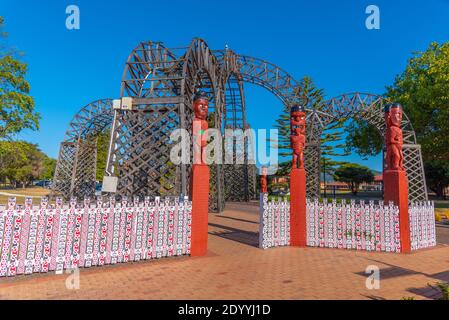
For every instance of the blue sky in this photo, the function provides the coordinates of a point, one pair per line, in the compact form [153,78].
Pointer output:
[326,40]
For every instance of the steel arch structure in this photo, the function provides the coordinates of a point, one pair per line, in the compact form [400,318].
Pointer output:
[77,160]
[161,82]
[369,108]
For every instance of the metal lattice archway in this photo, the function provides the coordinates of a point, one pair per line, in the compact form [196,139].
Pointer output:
[161,82]
[77,161]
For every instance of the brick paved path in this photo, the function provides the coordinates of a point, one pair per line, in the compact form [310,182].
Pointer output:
[236,269]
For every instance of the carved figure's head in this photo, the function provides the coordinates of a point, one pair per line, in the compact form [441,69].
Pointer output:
[298,117]
[200,105]
[393,115]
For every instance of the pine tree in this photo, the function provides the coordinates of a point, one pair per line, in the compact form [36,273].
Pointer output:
[330,146]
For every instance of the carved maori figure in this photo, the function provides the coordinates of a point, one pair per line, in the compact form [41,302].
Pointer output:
[393,137]
[200,126]
[298,135]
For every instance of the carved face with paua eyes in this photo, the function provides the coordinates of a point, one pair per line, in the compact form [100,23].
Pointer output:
[200,106]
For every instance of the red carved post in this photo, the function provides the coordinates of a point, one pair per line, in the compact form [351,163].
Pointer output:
[263,180]
[200,177]
[394,176]
[298,226]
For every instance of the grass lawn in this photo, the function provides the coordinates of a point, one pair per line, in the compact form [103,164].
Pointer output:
[34,192]
[442,207]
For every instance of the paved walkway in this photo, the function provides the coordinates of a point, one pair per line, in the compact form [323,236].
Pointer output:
[236,269]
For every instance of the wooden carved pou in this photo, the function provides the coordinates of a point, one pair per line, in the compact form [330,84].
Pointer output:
[393,137]
[298,135]
[200,126]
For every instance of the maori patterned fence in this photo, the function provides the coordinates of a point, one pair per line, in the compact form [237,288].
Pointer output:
[363,226]
[353,226]
[367,226]
[422,225]
[274,227]
[57,237]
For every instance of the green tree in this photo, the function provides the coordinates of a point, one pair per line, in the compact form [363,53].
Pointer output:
[309,93]
[332,147]
[330,140]
[16,105]
[437,174]
[12,157]
[363,138]
[22,162]
[49,168]
[102,153]
[353,174]
[423,90]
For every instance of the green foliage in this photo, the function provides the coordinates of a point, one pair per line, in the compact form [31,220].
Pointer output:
[102,153]
[437,175]
[443,288]
[16,105]
[22,162]
[284,168]
[308,92]
[423,90]
[330,146]
[49,168]
[363,138]
[353,174]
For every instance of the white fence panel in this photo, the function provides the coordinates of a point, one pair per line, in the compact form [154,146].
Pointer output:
[371,226]
[274,227]
[58,237]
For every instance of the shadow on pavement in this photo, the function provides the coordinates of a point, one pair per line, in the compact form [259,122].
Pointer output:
[245,237]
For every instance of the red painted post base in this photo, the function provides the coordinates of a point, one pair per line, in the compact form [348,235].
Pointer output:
[396,190]
[200,209]
[298,225]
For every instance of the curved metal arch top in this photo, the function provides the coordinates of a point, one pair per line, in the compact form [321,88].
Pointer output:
[365,106]
[152,70]
[162,82]
[262,73]
[75,173]
[90,120]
